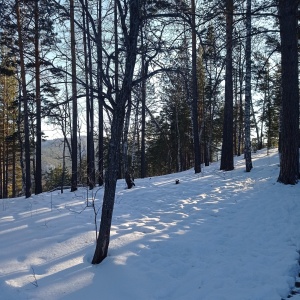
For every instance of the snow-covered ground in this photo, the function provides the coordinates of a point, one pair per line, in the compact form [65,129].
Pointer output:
[215,236]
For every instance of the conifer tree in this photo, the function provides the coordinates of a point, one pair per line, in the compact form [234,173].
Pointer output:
[289,159]
[227,144]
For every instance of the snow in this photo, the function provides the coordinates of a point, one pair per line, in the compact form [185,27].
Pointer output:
[214,236]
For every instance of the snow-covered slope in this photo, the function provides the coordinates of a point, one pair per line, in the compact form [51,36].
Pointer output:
[215,236]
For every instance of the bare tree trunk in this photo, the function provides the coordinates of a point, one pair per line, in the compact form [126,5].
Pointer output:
[240,111]
[289,162]
[227,145]
[247,151]
[100,97]
[135,139]
[143,102]
[125,139]
[197,152]
[1,169]
[14,162]
[179,163]
[38,145]
[74,100]
[25,105]
[90,132]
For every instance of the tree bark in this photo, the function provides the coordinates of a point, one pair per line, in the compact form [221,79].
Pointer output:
[197,153]
[289,159]
[100,97]
[90,133]
[227,145]
[74,101]
[247,151]
[143,117]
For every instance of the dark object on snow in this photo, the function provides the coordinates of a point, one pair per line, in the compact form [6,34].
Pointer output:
[129,180]
[177,181]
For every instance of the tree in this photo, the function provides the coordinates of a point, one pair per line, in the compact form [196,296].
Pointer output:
[25,102]
[197,153]
[248,99]
[227,145]
[100,96]
[74,99]
[9,147]
[214,65]
[57,177]
[123,95]
[38,169]
[289,158]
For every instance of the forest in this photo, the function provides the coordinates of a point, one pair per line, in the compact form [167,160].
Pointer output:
[154,86]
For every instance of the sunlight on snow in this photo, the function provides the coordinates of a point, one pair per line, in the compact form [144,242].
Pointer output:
[25,279]
[7,219]
[13,229]
[122,259]
[34,211]
[45,220]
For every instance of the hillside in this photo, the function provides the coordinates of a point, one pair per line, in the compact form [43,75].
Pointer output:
[52,153]
[214,236]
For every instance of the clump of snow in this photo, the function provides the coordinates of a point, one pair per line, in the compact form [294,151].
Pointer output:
[215,236]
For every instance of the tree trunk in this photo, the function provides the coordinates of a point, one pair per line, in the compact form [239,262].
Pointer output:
[25,105]
[14,162]
[125,140]
[247,151]
[100,97]
[227,145]
[289,159]
[143,102]
[90,132]
[74,100]
[38,145]
[197,153]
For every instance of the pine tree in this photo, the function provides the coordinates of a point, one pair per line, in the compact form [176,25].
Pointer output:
[289,159]
[227,145]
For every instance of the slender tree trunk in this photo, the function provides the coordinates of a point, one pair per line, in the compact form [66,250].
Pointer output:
[135,139]
[14,162]
[86,77]
[240,111]
[255,124]
[74,101]
[247,151]
[125,139]
[197,152]
[38,145]
[25,105]
[5,161]
[289,159]
[63,173]
[227,145]
[1,169]
[116,134]
[90,132]
[143,102]
[236,112]
[20,138]
[100,97]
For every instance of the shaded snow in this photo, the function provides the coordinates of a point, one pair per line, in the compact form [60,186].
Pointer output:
[215,236]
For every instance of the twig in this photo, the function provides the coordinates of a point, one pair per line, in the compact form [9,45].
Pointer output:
[35,283]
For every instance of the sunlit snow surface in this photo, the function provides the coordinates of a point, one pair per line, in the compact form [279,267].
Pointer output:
[215,236]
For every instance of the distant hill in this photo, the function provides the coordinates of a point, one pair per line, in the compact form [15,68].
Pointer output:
[52,153]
